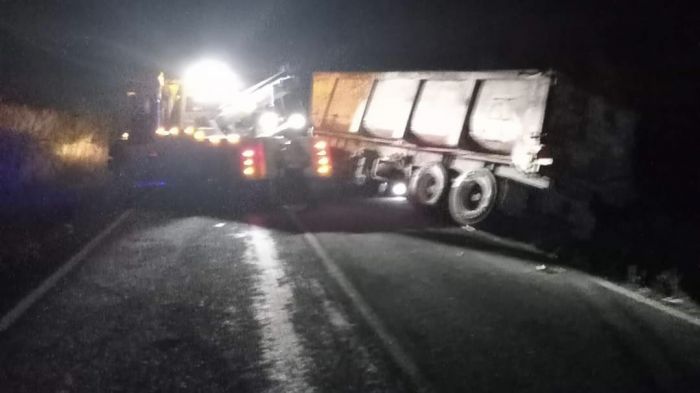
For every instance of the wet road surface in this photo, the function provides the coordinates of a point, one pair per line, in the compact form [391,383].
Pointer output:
[195,293]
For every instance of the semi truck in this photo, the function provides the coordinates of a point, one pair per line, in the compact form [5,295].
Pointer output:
[204,126]
[471,143]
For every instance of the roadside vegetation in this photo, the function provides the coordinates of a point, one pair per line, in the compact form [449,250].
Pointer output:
[45,147]
[53,171]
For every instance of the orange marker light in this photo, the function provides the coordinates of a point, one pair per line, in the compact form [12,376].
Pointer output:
[233,138]
[200,136]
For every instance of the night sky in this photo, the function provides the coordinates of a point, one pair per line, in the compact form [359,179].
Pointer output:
[79,54]
[111,40]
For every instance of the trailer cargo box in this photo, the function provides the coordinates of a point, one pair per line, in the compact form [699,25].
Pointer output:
[462,140]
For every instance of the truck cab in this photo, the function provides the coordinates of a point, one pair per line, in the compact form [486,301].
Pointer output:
[258,134]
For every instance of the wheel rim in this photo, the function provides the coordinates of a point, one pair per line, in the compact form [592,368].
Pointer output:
[428,187]
[472,197]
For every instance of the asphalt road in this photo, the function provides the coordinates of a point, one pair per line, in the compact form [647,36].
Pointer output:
[197,292]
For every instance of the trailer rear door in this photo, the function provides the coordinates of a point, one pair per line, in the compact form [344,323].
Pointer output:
[507,111]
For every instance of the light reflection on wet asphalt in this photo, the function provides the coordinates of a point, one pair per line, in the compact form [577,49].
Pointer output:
[184,299]
[273,301]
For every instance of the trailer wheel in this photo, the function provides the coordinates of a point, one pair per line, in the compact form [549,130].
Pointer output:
[473,196]
[428,184]
[361,176]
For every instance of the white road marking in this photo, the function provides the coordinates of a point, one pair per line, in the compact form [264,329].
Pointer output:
[647,301]
[20,308]
[341,324]
[609,285]
[281,345]
[397,353]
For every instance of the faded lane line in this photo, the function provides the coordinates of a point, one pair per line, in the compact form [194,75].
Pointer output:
[609,285]
[397,353]
[644,300]
[281,345]
[625,330]
[341,324]
[13,315]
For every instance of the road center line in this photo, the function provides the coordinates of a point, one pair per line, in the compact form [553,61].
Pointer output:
[20,308]
[397,353]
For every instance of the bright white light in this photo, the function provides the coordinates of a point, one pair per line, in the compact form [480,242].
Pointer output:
[210,81]
[199,136]
[233,138]
[268,122]
[398,189]
[296,121]
[240,103]
[125,136]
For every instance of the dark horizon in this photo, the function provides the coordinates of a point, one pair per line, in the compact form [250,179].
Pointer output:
[110,43]
[81,55]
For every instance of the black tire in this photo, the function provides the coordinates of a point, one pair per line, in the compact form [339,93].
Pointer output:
[473,196]
[364,184]
[428,185]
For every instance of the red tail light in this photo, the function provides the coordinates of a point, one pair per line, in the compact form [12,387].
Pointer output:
[321,158]
[253,161]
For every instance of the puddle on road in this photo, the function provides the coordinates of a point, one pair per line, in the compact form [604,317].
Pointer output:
[282,349]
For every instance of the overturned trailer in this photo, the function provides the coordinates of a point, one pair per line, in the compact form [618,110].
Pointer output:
[470,142]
